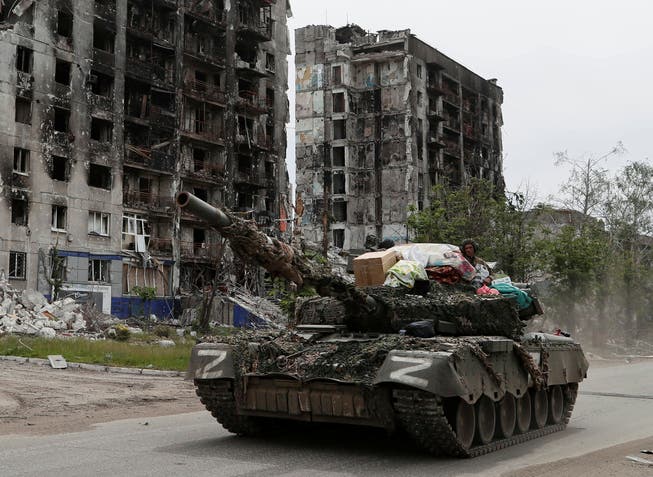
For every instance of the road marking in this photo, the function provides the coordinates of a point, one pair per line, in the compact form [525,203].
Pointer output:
[628,396]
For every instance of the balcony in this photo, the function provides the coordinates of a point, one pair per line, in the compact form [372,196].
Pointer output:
[101,57]
[206,91]
[105,11]
[146,158]
[204,49]
[160,117]
[202,171]
[250,178]
[255,29]
[203,130]
[200,250]
[250,102]
[158,246]
[435,89]
[207,14]
[252,70]
[452,148]
[139,68]
[147,200]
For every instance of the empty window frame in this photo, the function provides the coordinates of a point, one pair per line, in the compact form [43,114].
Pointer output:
[419,71]
[19,211]
[64,24]
[338,156]
[24,58]
[339,238]
[98,270]
[60,168]
[201,193]
[99,176]
[23,110]
[59,213]
[17,265]
[103,39]
[199,159]
[62,72]
[99,223]
[338,102]
[340,211]
[337,75]
[269,97]
[338,182]
[21,160]
[61,120]
[270,62]
[339,129]
[101,84]
[101,130]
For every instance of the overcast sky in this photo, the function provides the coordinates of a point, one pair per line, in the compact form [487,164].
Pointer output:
[577,75]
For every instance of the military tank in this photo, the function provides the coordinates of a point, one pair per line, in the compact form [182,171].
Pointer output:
[476,384]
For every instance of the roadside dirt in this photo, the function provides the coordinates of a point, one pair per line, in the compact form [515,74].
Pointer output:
[37,399]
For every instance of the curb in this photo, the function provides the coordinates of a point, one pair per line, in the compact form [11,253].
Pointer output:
[98,367]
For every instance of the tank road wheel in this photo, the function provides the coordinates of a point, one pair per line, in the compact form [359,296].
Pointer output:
[524,413]
[556,404]
[540,408]
[485,420]
[507,408]
[465,423]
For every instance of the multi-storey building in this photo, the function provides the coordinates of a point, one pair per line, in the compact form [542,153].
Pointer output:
[381,119]
[111,107]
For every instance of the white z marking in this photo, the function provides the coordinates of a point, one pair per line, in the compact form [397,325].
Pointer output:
[205,371]
[403,375]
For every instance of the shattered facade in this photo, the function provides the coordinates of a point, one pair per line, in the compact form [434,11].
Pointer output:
[381,119]
[111,107]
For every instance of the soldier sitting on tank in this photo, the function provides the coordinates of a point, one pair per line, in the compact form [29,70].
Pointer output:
[483,270]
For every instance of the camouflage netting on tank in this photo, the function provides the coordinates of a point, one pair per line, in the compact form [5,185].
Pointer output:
[471,314]
[349,359]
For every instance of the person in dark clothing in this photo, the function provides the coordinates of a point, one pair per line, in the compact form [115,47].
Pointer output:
[483,270]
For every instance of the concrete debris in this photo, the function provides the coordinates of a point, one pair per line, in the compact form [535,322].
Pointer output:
[166,343]
[29,313]
[639,460]
[57,361]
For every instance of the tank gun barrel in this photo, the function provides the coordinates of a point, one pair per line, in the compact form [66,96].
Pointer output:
[196,206]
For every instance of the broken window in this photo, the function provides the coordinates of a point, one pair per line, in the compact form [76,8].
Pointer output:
[144,185]
[21,160]
[338,156]
[199,160]
[337,75]
[59,213]
[244,163]
[338,183]
[340,211]
[420,98]
[19,211]
[99,176]
[269,97]
[199,240]
[101,84]
[62,72]
[419,71]
[64,24]
[103,39]
[101,130]
[339,129]
[24,59]
[23,110]
[17,265]
[201,193]
[135,232]
[60,168]
[338,102]
[98,270]
[61,120]
[270,62]
[339,238]
[98,223]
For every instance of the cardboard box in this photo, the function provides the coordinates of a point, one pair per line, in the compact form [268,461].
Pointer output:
[370,268]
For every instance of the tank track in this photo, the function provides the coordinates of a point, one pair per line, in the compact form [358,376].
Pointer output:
[218,398]
[422,416]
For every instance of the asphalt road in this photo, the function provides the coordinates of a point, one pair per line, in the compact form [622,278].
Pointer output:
[614,407]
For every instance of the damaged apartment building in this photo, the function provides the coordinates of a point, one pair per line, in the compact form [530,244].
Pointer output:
[381,119]
[110,108]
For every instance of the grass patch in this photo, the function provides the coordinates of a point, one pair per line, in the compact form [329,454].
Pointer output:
[137,354]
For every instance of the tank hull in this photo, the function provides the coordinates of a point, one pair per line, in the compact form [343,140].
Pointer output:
[453,398]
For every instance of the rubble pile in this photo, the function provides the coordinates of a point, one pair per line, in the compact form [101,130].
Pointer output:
[28,312]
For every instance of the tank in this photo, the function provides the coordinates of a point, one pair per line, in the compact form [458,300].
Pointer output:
[452,370]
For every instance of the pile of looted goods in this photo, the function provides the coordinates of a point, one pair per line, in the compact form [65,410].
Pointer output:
[28,312]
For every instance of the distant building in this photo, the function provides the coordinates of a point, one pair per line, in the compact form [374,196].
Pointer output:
[381,118]
[111,107]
